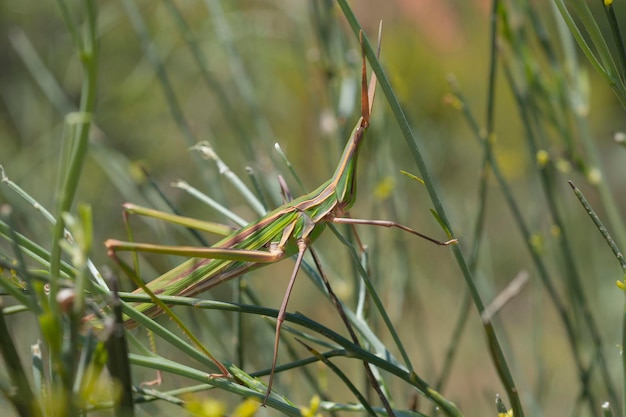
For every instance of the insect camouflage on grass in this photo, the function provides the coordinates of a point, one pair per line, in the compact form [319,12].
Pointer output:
[286,231]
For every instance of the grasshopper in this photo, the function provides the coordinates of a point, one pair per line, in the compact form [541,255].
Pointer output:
[286,231]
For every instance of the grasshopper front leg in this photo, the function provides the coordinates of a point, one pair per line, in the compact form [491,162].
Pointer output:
[390,224]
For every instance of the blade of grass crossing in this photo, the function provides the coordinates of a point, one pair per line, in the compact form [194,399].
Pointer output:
[498,355]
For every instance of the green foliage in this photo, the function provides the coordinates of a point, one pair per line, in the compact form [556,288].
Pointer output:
[177,105]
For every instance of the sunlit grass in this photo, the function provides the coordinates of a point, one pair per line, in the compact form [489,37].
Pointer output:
[107,104]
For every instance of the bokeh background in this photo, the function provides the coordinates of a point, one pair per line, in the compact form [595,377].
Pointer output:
[288,73]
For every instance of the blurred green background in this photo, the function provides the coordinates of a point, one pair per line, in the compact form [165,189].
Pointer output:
[288,73]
